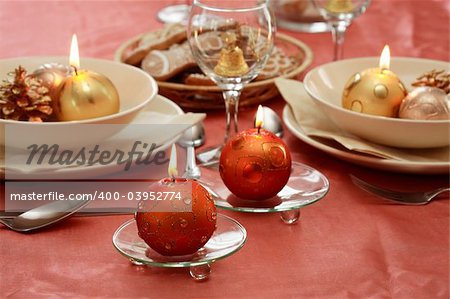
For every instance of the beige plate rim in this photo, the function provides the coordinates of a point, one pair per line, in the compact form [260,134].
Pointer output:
[363,160]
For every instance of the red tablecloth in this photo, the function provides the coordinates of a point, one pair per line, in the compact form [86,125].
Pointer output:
[348,245]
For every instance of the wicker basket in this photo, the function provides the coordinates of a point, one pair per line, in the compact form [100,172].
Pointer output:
[195,97]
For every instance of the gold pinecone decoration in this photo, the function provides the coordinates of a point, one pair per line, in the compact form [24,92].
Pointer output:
[24,98]
[439,79]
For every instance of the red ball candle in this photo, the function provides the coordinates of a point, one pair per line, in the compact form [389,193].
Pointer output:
[179,226]
[255,164]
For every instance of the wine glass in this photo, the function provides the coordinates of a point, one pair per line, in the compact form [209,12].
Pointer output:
[177,13]
[231,41]
[340,14]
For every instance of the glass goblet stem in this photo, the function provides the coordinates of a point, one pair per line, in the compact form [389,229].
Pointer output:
[338,31]
[231,109]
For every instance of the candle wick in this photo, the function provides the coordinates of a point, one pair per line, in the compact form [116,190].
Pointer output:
[259,129]
[75,69]
[173,179]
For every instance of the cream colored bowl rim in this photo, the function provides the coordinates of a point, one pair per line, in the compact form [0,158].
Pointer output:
[369,116]
[151,80]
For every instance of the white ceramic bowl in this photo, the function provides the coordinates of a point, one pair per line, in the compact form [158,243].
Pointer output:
[325,85]
[136,89]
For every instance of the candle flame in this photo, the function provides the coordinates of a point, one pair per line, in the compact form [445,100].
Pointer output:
[172,170]
[259,121]
[74,55]
[385,58]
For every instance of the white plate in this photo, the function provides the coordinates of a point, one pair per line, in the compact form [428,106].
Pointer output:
[335,150]
[160,105]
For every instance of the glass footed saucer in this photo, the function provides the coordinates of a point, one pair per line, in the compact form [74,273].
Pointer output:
[306,185]
[228,238]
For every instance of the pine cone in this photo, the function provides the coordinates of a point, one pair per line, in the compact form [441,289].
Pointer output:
[25,98]
[434,78]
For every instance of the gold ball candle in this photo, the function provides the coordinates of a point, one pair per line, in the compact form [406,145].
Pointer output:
[85,94]
[255,164]
[376,91]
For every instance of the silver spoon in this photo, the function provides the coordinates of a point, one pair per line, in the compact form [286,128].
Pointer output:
[43,216]
[192,138]
[272,122]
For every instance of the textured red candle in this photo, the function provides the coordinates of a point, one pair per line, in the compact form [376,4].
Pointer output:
[177,227]
[255,164]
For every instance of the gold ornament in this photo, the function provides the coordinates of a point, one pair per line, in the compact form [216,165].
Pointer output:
[85,95]
[51,75]
[338,6]
[374,91]
[426,103]
[231,61]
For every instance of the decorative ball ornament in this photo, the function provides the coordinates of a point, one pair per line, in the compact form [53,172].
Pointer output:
[255,164]
[179,226]
[376,91]
[426,103]
[51,75]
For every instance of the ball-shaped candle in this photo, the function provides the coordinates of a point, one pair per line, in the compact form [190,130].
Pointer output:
[376,91]
[255,164]
[180,225]
[85,94]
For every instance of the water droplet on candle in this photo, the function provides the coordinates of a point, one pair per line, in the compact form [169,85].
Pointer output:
[213,215]
[204,239]
[183,223]
[168,246]
[146,226]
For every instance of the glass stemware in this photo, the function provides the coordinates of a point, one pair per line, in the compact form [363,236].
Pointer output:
[340,14]
[177,13]
[231,41]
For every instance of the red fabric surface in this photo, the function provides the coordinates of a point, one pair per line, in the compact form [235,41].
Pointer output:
[348,245]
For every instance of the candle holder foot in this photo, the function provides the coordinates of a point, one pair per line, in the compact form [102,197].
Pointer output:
[136,263]
[291,216]
[200,272]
